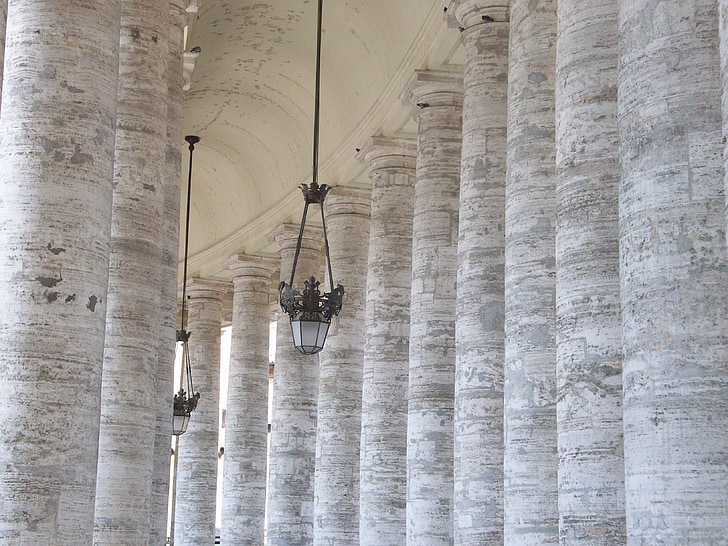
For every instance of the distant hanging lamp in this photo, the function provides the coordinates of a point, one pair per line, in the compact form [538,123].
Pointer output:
[311,311]
[185,402]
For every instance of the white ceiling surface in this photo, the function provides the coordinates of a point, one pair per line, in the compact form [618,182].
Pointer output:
[251,103]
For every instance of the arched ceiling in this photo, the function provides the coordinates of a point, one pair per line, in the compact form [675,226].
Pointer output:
[251,102]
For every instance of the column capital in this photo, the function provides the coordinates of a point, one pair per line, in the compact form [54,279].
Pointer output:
[433,88]
[348,200]
[382,152]
[178,13]
[243,265]
[211,289]
[469,13]
[286,237]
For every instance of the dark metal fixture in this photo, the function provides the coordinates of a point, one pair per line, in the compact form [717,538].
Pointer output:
[185,402]
[311,311]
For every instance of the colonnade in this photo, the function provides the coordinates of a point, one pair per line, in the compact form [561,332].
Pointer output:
[533,343]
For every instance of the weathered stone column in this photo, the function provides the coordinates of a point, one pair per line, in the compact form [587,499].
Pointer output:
[246,422]
[164,376]
[194,520]
[3,21]
[295,392]
[588,326]
[383,467]
[480,347]
[438,96]
[56,191]
[336,490]
[530,460]
[128,410]
[673,273]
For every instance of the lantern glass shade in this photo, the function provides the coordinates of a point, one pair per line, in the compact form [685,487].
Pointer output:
[180,422]
[309,332]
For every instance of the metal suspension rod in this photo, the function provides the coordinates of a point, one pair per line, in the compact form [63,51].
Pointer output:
[192,140]
[317,95]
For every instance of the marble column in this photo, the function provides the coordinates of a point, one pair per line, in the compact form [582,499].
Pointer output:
[588,326]
[530,458]
[383,466]
[246,422]
[164,376]
[195,501]
[56,191]
[480,345]
[336,489]
[438,96]
[295,392]
[673,273]
[128,410]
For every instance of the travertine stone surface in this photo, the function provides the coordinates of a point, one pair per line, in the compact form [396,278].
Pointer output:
[164,375]
[246,421]
[295,393]
[194,520]
[128,409]
[432,316]
[3,20]
[478,443]
[530,461]
[588,326]
[56,191]
[673,273]
[336,489]
[723,32]
[383,466]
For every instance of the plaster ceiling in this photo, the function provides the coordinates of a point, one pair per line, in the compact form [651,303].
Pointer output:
[251,103]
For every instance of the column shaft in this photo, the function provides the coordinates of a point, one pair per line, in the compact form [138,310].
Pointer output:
[164,375]
[295,387]
[336,492]
[3,21]
[126,438]
[432,318]
[673,273]
[195,501]
[530,460]
[383,468]
[246,421]
[56,191]
[588,337]
[480,346]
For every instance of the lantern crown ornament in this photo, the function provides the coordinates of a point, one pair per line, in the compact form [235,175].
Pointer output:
[311,311]
[185,402]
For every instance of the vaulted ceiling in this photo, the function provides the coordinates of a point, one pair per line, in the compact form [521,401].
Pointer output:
[251,102]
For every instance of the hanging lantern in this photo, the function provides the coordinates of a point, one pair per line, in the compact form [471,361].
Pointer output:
[185,402]
[311,311]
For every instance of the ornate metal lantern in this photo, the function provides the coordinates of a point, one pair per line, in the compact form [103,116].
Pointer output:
[185,402]
[311,311]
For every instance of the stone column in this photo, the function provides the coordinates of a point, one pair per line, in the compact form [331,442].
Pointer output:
[530,459]
[673,273]
[246,422]
[438,96]
[56,191]
[194,520]
[336,491]
[480,347]
[383,467]
[295,391]
[128,410]
[3,21]
[164,376]
[588,326]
